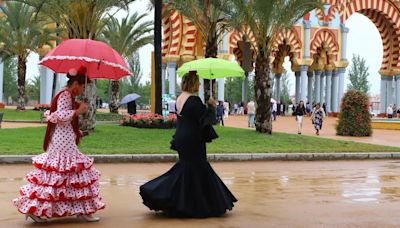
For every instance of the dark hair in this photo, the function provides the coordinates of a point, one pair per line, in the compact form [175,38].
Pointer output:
[189,81]
[81,79]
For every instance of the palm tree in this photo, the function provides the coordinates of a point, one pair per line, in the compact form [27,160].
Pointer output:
[267,19]
[82,19]
[210,18]
[21,32]
[126,37]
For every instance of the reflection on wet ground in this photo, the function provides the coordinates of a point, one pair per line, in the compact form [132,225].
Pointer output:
[271,194]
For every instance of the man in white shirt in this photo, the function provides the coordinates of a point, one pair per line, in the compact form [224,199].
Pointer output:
[274,109]
[389,111]
[251,111]
[171,105]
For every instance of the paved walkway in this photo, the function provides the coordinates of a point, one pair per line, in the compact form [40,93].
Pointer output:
[271,194]
[287,124]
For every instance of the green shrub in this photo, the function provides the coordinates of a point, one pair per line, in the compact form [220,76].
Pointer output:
[354,118]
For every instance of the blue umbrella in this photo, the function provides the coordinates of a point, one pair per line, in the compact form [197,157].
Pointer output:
[130,97]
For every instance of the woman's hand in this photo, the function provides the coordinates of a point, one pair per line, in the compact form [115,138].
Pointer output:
[83,108]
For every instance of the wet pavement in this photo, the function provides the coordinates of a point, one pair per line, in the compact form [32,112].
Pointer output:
[271,194]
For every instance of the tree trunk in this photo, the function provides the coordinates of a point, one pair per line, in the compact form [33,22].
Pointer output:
[88,121]
[21,83]
[114,97]
[211,52]
[262,93]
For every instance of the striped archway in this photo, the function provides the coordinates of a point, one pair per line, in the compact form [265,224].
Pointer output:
[291,38]
[325,38]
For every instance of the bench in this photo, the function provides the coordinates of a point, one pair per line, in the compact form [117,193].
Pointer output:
[1,117]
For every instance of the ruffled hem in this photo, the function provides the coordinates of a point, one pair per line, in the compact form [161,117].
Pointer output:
[77,180]
[55,194]
[62,164]
[58,209]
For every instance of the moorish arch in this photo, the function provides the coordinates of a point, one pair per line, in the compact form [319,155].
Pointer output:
[385,14]
[286,44]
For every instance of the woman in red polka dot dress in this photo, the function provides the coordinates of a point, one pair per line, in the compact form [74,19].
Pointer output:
[64,182]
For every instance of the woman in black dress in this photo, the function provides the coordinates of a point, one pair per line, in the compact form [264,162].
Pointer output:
[190,188]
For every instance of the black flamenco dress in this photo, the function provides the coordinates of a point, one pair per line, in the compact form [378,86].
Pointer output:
[191,188]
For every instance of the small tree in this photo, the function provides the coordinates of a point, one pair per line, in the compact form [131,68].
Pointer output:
[285,84]
[354,118]
[358,74]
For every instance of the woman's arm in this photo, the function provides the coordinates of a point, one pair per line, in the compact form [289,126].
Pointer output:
[64,110]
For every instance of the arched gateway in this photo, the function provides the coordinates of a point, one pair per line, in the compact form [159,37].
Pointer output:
[316,46]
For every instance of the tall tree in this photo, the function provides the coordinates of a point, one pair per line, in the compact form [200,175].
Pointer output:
[266,19]
[21,32]
[210,18]
[126,37]
[10,79]
[33,89]
[285,85]
[358,74]
[157,55]
[82,19]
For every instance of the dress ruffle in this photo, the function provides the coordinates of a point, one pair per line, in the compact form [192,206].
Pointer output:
[61,163]
[58,209]
[62,185]
[63,193]
[78,180]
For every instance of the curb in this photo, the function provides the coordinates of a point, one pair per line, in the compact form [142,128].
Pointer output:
[153,158]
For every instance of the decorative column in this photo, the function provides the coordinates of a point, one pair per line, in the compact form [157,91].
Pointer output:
[306,44]
[244,87]
[61,82]
[163,72]
[317,86]
[389,90]
[341,72]
[383,94]
[297,75]
[344,31]
[278,87]
[322,89]
[310,98]
[334,92]
[172,77]
[397,91]
[221,89]
[328,74]
[303,79]
[201,89]
[46,85]
[1,80]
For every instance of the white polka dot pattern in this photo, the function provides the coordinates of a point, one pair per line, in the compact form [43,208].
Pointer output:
[64,182]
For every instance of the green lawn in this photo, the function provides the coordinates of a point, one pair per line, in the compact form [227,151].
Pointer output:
[32,115]
[12,114]
[128,140]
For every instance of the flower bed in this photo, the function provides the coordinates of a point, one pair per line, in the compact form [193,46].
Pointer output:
[2,105]
[42,107]
[149,120]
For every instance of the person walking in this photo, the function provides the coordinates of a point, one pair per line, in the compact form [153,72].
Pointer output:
[226,109]
[64,183]
[251,111]
[171,105]
[317,118]
[191,188]
[389,111]
[274,110]
[300,112]
[220,113]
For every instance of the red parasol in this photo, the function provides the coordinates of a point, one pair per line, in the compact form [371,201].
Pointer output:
[99,59]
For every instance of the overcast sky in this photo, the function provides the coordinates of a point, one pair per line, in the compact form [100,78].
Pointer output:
[363,39]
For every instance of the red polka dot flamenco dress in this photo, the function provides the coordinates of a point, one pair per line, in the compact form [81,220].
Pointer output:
[64,182]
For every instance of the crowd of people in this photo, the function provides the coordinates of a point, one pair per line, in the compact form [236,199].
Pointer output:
[393,111]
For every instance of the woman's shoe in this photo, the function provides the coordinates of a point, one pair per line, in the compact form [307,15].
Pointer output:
[35,218]
[89,218]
